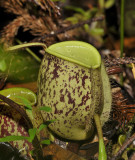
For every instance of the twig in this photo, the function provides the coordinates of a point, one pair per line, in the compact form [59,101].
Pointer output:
[119,61]
[55,33]
[125,145]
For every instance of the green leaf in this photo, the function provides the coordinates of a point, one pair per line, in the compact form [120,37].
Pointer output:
[32,133]
[73,20]
[121,139]
[41,127]
[97,31]
[44,125]
[12,138]
[19,66]
[109,3]
[45,108]
[50,121]
[47,141]
[3,65]
[77,9]
[25,102]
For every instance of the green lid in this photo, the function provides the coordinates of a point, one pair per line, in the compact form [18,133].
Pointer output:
[78,52]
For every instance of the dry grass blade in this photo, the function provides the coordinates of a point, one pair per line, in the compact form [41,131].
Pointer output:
[54,7]
[47,5]
[13,6]
[36,26]
[29,17]
[16,6]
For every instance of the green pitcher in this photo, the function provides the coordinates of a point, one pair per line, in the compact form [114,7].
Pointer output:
[73,82]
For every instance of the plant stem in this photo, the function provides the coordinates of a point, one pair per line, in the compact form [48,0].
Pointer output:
[101,4]
[122,28]
[102,152]
[121,36]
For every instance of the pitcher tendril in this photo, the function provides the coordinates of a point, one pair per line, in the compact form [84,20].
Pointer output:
[26,45]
